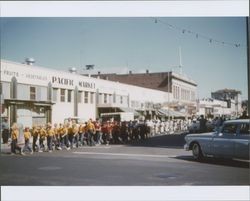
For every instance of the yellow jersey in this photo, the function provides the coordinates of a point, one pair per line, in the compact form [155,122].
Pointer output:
[14,134]
[50,132]
[27,135]
[90,126]
[43,133]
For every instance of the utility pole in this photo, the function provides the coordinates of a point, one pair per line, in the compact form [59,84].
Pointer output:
[168,94]
[180,65]
[248,64]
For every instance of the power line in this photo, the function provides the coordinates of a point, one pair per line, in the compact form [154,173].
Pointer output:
[198,35]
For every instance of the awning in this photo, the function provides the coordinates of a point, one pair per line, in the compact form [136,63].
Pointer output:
[163,112]
[19,102]
[127,109]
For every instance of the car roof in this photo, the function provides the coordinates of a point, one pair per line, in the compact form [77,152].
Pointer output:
[238,121]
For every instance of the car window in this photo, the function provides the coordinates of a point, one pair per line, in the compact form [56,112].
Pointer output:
[244,129]
[229,129]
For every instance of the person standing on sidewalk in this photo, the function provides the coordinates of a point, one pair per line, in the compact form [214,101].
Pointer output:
[203,126]
[14,137]
[27,137]
[5,131]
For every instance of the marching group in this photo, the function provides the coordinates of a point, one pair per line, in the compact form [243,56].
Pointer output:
[92,133]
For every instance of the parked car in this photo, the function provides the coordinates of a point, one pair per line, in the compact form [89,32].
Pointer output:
[232,141]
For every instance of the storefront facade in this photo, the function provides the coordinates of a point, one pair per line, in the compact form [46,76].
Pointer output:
[35,95]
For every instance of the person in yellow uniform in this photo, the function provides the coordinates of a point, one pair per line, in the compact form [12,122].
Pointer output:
[27,137]
[60,136]
[50,136]
[56,137]
[90,130]
[81,131]
[35,135]
[14,137]
[64,136]
[43,135]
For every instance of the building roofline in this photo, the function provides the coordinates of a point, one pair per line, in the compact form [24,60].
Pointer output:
[227,91]
[79,75]
[175,75]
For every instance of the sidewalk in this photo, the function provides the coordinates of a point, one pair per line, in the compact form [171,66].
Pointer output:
[5,148]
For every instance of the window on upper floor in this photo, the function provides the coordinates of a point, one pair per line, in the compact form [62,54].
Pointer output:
[54,94]
[69,95]
[62,95]
[32,93]
[86,97]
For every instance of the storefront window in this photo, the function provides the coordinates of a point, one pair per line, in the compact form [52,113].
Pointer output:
[32,93]
[62,95]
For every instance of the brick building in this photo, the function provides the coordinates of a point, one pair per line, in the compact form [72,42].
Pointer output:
[182,88]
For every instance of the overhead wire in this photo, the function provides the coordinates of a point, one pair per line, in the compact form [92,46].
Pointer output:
[197,35]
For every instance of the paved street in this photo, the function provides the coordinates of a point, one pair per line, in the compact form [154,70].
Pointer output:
[160,160]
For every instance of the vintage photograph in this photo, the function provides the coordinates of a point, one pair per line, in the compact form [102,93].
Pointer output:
[146,101]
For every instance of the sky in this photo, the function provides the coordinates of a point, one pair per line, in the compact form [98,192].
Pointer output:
[121,44]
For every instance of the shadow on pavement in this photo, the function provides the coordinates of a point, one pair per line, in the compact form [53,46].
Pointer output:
[162,141]
[217,161]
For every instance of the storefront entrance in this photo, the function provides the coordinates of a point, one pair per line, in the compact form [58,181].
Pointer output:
[28,113]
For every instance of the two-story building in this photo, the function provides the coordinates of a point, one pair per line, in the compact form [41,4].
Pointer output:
[31,94]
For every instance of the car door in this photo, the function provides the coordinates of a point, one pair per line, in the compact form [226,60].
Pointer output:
[223,142]
[242,141]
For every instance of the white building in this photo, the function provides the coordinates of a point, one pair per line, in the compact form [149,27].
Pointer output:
[36,95]
[232,97]
[183,89]
[213,107]
[184,92]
